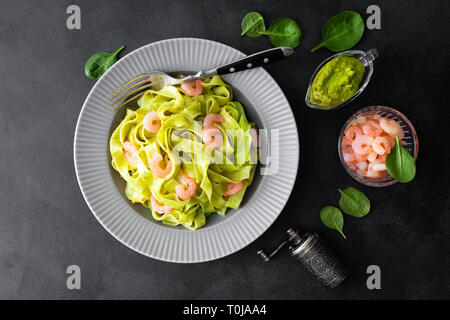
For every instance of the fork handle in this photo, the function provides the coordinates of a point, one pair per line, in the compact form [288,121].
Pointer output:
[255,60]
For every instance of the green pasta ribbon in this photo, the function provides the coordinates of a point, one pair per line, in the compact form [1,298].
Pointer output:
[180,137]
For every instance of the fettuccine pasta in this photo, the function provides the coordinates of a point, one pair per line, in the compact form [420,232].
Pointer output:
[186,154]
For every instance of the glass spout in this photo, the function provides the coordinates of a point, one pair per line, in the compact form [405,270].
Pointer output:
[369,56]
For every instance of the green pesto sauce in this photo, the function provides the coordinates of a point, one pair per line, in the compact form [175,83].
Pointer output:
[336,81]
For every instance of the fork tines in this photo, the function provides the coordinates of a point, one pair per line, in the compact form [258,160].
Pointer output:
[128,89]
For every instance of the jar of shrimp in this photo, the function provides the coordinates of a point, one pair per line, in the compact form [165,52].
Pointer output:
[366,139]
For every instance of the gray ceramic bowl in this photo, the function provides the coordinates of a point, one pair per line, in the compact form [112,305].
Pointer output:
[103,188]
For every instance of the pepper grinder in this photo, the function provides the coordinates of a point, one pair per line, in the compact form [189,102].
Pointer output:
[314,256]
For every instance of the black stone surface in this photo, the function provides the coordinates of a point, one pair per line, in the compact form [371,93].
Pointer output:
[45,225]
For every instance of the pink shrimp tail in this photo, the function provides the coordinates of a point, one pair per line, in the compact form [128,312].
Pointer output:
[151,122]
[155,166]
[212,136]
[159,208]
[233,188]
[255,138]
[212,118]
[185,193]
[193,88]
[353,132]
[130,152]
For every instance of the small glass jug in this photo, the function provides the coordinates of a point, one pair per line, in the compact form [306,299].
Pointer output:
[366,58]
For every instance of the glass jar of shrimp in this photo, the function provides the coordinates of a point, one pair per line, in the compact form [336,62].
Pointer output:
[366,139]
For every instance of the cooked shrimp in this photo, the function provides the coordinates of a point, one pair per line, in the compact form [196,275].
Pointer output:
[188,192]
[353,132]
[389,138]
[130,158]
[129,147]
[193,88]
[378,166]
[372,128]
[381,159]
[155,166]
[151,122]
[352,165]
[159,208]
[360,119]
[362,144]
[233,188]
[130,153]
[381,145]
[255,137]
[349,157]
[212,136]
[362,165]
[372,156]
[392,127]
[212,118]
[347,149]
[346,141]
[373,174]
[360,157]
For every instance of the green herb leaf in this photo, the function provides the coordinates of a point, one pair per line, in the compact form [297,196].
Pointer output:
[99,62]
[332,218]
[342,31]
[284,32]
[252,23]
[400,163]
[354,203]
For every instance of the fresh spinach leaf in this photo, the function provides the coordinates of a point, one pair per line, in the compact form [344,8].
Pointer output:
[332,218]
[252,23]
[99,62]
[284,32]
[400,164]
[341,32]
[354,203]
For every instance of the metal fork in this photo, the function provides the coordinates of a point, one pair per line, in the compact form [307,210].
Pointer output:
[156,80]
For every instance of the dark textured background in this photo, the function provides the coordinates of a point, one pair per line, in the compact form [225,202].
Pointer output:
[45,224]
